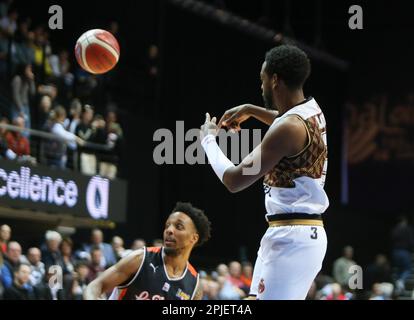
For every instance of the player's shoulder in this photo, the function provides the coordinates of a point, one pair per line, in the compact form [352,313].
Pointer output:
[192,270]
[288,126]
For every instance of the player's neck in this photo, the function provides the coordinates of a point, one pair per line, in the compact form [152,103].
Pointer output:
[289,99]
[176,264]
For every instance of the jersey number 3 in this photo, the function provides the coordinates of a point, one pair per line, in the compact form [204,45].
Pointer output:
[314,235]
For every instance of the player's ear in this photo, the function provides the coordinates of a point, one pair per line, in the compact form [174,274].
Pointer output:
[274,81]
[195,238]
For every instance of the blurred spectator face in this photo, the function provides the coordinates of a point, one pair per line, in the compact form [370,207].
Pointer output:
[157,243]
[28,71]
[114,27]
[63,55]
[34,256]
[19,122]
[22,275]
[97,237]
[348,252]
[76,109]
[111,117]
[30,36]
[66,248]
[96,256]
[53,244]
[87,115]
[117,243]
[381,260]
[153,51]
[248,270]
[138,244]
[14,251]
[5,233]
[83,271]
[377,290]
[222,269]
[213,289]
[45,104]
[235,269]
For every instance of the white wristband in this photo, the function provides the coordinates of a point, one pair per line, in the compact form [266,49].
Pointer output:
[219,162]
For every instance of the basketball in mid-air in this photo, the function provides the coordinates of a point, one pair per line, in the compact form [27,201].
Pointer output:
[97,51]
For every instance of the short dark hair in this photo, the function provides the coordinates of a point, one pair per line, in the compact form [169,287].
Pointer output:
[200,220]
[290,64]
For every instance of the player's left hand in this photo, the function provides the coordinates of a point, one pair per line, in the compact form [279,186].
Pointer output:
[209,127]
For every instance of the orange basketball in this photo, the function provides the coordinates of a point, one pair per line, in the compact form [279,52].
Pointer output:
[97,51]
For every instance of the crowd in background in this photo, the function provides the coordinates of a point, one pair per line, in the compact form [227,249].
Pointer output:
[40,88]
[27,273]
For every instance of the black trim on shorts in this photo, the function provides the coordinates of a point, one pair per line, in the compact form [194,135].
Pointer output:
[293,216]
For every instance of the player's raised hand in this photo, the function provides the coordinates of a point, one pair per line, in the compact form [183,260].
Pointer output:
[233,117]
[209,127]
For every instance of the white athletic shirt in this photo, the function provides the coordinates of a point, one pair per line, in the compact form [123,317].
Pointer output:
[295,184]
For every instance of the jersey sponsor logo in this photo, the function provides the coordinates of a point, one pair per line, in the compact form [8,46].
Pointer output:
[182,295]
[166,287]
[153,267]
[144,295]
[261,286]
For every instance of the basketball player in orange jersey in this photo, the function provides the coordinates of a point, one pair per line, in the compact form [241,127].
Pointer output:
[159,273]
[292,158]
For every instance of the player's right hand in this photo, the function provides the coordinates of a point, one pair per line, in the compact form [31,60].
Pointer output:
[233,117]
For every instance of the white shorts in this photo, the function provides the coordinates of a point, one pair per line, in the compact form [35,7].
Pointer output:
[288,260]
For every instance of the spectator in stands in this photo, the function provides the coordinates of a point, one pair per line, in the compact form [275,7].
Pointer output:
[11,262]
[51,253]
[108,256]
[342,265]
[16,141]
[69,261]
[20,288]
[55,150]
[37,273]
[157,243]
[80,281]
[85,131]
[118,248]
[23,44]
[402,237]
[95,267]
[235,273]
[75,113]
[247,274]
[113,136]
[378,272]
[51,289]
[5,151]
[5,235]
[337,293]
[43,112]
[138,244]
[23,87]
[8,24]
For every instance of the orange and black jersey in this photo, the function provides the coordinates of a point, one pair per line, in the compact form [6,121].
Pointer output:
[151,282]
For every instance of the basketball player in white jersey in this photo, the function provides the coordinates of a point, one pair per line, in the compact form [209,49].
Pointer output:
[292,158]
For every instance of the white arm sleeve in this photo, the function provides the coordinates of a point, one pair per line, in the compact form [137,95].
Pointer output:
[216,157]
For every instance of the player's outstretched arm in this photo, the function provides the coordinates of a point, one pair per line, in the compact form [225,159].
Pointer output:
[285,139]
[114,276]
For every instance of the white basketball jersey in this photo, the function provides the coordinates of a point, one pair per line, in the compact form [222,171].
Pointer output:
[295,184]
